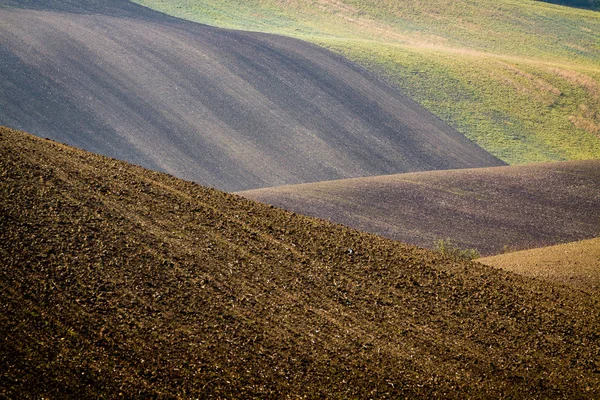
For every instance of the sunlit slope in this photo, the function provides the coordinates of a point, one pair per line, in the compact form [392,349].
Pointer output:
[521,78]
[491,210]
[227,109]
[121,282]
[576,264]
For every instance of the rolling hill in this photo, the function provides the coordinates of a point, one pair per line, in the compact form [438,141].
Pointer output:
[590,4]
[227,109]
[118,281]
[576,264]
[520,78]
[491,210]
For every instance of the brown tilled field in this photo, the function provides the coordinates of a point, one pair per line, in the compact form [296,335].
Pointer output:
[576,264]
[492,210]
[116,281]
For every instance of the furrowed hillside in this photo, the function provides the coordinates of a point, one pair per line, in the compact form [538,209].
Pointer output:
[520,78]
[226,109]
[118,281]
[576,264]
[492,210]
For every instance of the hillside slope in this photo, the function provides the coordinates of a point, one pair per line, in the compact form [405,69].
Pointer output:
[227,109]
[488,209]
[520,78]
[576,264]
[118,281]
[589,4]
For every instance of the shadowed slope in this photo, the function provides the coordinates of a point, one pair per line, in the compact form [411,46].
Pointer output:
[228,109]
[591,4]
[576,264]
[115,279]
[489,209]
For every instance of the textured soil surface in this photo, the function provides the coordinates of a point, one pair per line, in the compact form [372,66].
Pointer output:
[118,281]
[576,264]
[493,210]
[227,109]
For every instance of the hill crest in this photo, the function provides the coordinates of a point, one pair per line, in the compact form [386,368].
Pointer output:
[519,78]
[211,105]
[492,210]
[576,264]
[119,280]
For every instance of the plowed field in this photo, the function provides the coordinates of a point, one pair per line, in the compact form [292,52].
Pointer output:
[492,210]
[223,108]
[116,281]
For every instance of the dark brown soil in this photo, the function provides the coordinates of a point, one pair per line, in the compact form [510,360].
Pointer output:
[493,210]
[227,109]
[116,281]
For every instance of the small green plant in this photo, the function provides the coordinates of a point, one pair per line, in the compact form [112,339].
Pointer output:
[447,248]
[507,249]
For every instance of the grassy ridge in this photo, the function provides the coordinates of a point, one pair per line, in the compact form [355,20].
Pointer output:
[519,78]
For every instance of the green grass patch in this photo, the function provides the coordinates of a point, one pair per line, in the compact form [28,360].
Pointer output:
[447,248]
[520,78]
[519,111]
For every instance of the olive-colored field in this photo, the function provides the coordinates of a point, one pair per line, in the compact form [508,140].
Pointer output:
[227,109]
[116,281]
[576,264]
[492,210]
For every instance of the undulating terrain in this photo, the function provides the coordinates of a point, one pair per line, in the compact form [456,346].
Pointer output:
[492,210]
[520,78]
[576,264]
[227,109]
[117,281]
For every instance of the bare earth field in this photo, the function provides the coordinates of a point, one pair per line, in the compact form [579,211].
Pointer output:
[576,264]
[227,109]
[116,281]
[493,210]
